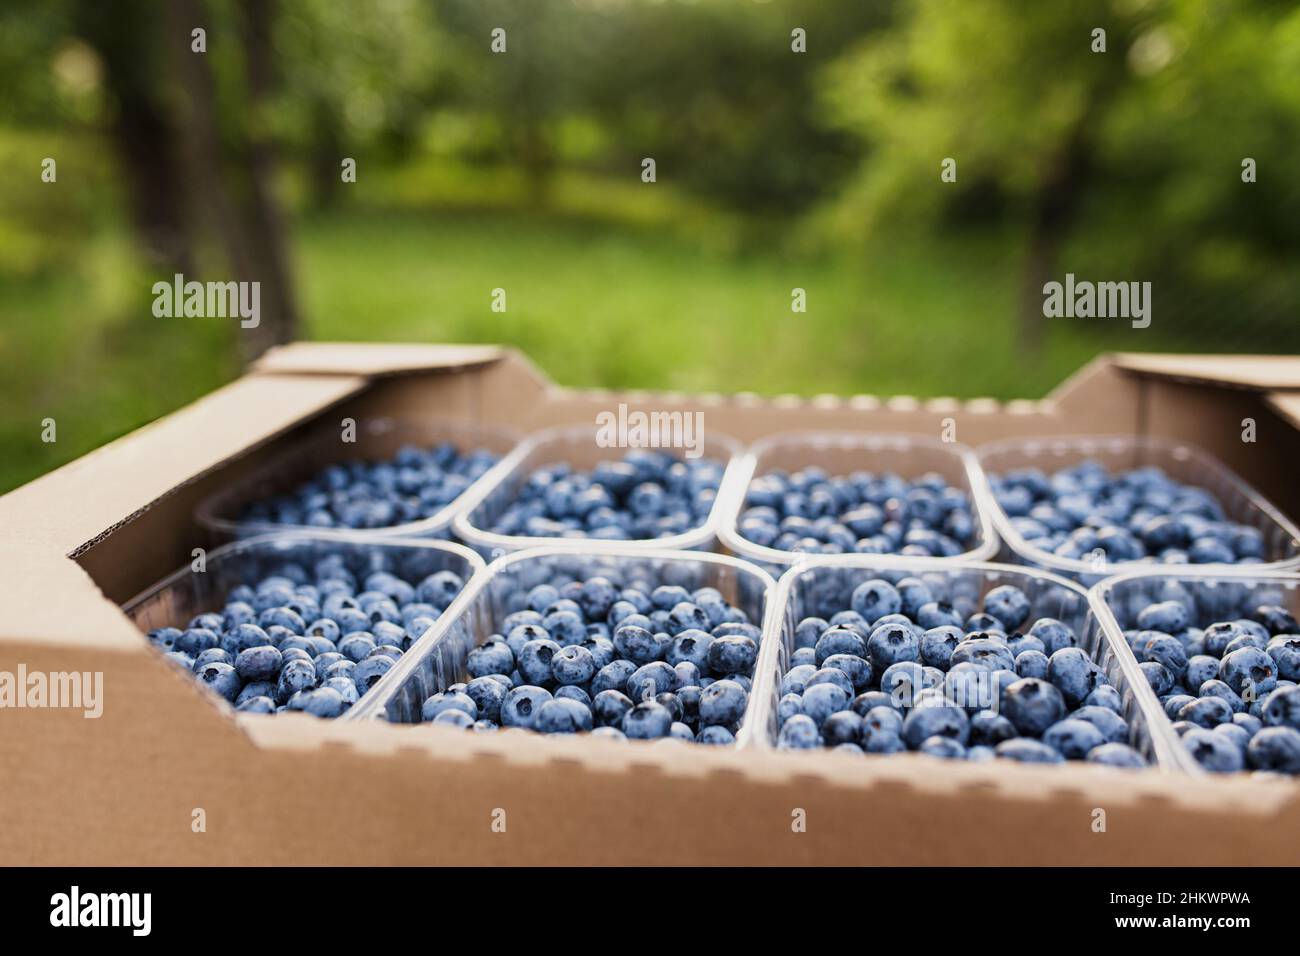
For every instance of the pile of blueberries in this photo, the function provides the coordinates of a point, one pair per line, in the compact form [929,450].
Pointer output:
[647,494]
[902,669]
[1231,688]
[313,642]
[1135,515]
[638,661]
[812,512]
[415,484]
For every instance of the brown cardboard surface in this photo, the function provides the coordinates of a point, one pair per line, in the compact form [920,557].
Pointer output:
[124,788]
[1254,372]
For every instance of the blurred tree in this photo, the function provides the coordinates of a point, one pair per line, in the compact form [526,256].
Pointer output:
[1010,91]
[141,125]
[1127,160]
[353,85]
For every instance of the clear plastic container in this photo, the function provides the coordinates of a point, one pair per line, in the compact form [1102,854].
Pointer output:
[1218,594]
[1180,461]
[841,453]
[376,439]
[186,593]
[577,446]
[823,587]
[399,697]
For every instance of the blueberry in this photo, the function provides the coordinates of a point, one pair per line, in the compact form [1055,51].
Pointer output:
[937,645]
[345,688]
[715,735]
[1054,634]
[520,706]
[613,676]
[723,702]
[487,694]
[257,705]
[1214,752]
[832,675]
[1105,696]
[1074,674]
[213,655]
[990,729]
[1217,688]
[842,727]
[573,665]
[1282,708]
[323,702]
[1073,738]
[1157,676]
[928,720]
[1032,705]
[436,704]
[369,671]
[195,640]
[1200,668]
[839,640]
[819,701]
[945,747]
[690,646]
[987,652]
[855,668]
[1275,748]
[1026,750]
[1249,672]
[1167,616]
[640,644]
[1032,664]
[492,657]
[892,643]
[1276,619]
[732,655]
[798,733]
[650,680]
[874,599]
[1116,755]
[609,706]
[455,718]
[562,716]
[296,676]
[1008,604]
[1165,650]
[534,660]
[647,720]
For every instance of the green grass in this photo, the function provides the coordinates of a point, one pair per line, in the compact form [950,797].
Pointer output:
[593,302]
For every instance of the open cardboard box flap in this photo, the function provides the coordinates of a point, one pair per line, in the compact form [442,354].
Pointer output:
[126,788]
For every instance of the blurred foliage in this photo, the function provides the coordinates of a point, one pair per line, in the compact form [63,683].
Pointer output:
[775,169]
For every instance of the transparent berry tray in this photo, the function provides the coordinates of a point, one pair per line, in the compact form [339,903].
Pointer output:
[186,593]
[840,453]
[1218,595]
[821,588]
[442,659]
[1183,462]
[376,439]
[577,445]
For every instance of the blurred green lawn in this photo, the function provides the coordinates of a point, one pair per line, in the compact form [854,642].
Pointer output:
[592,302]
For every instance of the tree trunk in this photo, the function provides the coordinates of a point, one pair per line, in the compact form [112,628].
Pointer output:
[236,196]
[1056,206]
[142,131]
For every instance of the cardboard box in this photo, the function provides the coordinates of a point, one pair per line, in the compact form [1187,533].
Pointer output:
[165,777]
